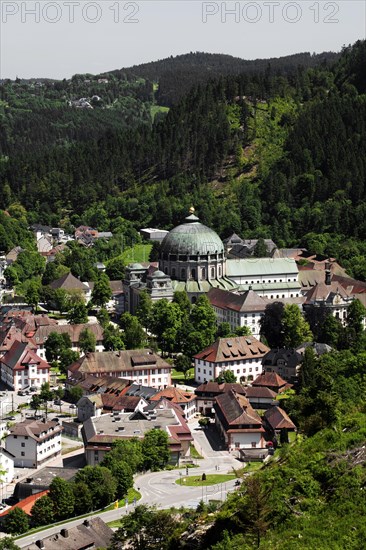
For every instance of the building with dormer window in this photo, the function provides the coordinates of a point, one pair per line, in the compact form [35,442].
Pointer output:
[33,442]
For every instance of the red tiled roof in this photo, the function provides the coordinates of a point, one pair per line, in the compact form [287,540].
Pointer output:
[237,410]
[269,379]
[260,391]
[249,301]
[233,349]
[278,419]
[26,504]
[176,395]
[215,387]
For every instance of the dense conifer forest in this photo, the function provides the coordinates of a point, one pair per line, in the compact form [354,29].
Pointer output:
[274,149]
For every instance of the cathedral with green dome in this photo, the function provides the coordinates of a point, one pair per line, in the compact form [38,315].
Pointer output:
[193,259]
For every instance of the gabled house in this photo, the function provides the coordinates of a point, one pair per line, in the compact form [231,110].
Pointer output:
[238,423]
[33,442]
[102,403]
[260,397]
[183,399]
[42,333]
[278,423]
[283,361]
[207,392]
[140,365]
[71,284]
[238,309]
[21,367]
[271,380]
[242,355]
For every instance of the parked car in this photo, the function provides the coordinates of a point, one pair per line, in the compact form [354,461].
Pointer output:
[57,402]
[72,406]
[33,388]
[21,392]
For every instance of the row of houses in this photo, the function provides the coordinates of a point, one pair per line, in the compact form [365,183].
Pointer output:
[235,408]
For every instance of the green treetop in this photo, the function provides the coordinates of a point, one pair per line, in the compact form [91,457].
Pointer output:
[296,330]
[102,292]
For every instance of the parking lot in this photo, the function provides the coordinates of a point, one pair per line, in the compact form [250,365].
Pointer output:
[10,401]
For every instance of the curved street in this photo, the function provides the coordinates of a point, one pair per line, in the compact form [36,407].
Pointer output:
[160,488]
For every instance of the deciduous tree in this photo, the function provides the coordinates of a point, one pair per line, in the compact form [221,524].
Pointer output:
[17,522]
[42,511]
[62,497]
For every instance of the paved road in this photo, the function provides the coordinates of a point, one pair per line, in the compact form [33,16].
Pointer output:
[158,489]
[161,489]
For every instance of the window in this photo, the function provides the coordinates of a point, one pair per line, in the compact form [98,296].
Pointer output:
[173,271]
[183,273]
[237,444]
[254,444]
[23,445]
[193,273]
[203,273]
[22,453]
[213,272]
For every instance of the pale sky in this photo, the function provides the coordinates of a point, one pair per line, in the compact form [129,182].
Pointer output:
[57,39]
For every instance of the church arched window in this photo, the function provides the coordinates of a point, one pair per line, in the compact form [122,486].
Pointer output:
[212,272]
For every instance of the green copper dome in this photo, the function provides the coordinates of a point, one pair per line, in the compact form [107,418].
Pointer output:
[192,238]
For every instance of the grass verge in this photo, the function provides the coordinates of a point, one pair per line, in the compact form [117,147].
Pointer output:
[211,479]
[132,494]
[194,453]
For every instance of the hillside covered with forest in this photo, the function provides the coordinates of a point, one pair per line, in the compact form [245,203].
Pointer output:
[274,149]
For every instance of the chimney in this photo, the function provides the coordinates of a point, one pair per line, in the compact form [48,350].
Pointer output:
[64,533]
[86,523]
[40,543]
[327,277]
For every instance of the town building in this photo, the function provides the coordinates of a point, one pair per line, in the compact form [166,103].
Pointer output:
[71,284]
[140,365]
[91,534]
[153,234]
[238,423]
[21,367]
[285,362]
[6,467]
[273,278]
[238,310]
[330,295]
[278,423]
[42,333]
[33,442]
[207,392]
[140,279]
[183,399]
[271,380]
[242,355]
[100,432]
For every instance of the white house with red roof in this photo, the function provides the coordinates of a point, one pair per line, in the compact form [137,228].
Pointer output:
[242,355]
[21,367]
[32,442]
[238,423]
[185,400]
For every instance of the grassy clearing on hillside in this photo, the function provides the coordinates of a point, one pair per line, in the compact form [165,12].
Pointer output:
[154,109]
[137,254]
